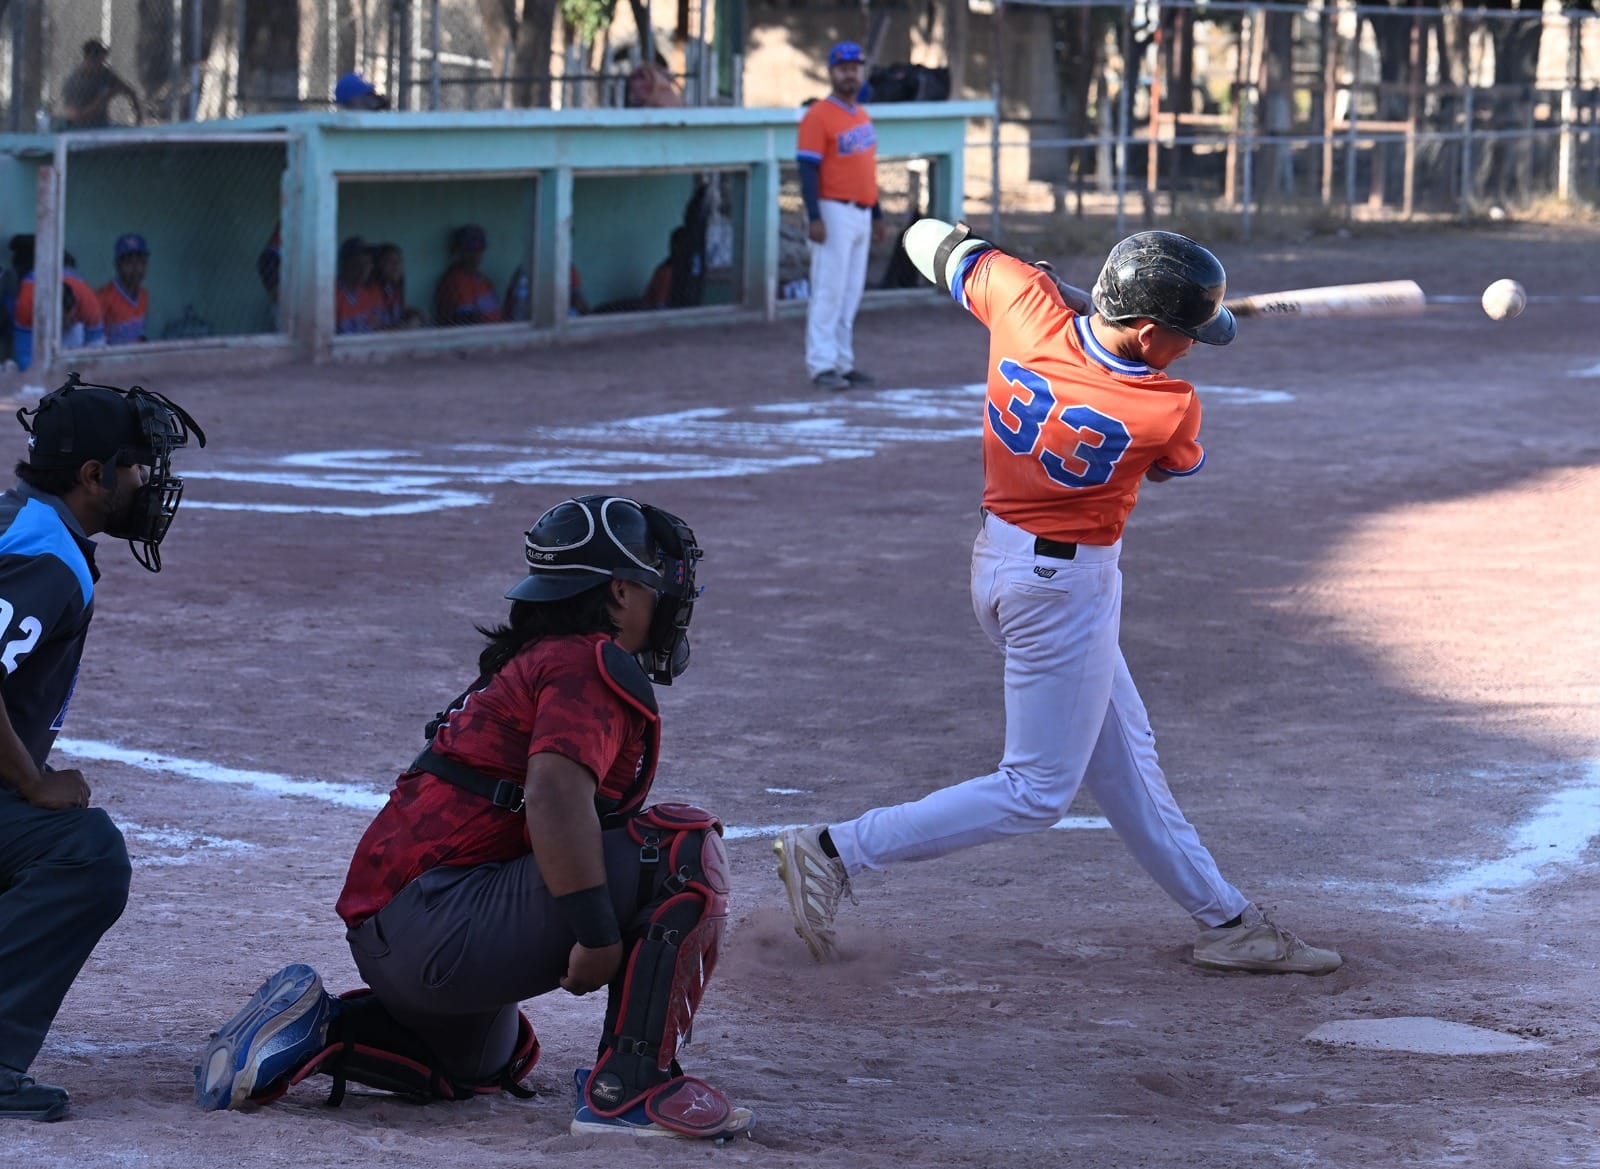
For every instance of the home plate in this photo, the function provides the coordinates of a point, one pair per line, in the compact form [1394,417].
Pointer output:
[1420,1034]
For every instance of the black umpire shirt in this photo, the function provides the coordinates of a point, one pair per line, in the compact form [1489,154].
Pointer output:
[47,577]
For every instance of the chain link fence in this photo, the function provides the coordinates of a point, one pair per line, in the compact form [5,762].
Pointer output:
[1364,110]
[904,190]
[188,60]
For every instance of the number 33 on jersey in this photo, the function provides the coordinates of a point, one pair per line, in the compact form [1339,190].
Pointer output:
[1068,433]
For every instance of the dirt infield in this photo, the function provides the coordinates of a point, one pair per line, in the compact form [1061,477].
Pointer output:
[1366,635]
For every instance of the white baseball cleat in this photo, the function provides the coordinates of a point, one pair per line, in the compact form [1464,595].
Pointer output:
[815,882]
[1259,944]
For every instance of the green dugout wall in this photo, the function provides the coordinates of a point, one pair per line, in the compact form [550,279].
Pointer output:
[591,193]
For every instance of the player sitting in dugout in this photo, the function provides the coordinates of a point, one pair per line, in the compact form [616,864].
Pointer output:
[465,296]
[358,304]
[81,323]
[516,856]
[124,300]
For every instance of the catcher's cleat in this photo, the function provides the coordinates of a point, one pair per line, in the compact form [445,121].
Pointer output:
[829,380]
[815,882]
[283,1025]
[24,1098]
[1258,944]
[859,377]
[636,1123]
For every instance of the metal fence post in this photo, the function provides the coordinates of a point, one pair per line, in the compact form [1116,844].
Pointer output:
[47,263]
[997,40]
[1249,50]
[1124,98]
[433,70]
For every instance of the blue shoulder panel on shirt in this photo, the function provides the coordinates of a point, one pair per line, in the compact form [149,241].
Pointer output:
[958,278]
[38,531]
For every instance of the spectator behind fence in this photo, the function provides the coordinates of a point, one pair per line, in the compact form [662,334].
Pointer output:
[85,326]
[650,86]
[355,92]
[124,301]
[389,274]
[87,91]
[357,300]
[465,296]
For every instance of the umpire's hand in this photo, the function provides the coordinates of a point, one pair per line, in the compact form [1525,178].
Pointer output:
[591,969]
[59,789]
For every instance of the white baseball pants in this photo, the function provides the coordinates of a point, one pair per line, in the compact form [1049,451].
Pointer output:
[838,277]
[1073,715]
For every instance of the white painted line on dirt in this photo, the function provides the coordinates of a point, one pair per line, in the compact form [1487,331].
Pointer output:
[786,791]
[351,795]
[702,443]
[1556,834]
[184,847]
[757,832]
[348,795]
[1589,371]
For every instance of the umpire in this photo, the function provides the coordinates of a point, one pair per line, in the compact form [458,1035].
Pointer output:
[99,461]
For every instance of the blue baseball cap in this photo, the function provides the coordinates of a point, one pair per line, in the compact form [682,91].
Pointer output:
[130,244]
[351,86]
[845,51]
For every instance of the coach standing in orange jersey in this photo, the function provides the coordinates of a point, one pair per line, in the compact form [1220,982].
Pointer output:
[838,156]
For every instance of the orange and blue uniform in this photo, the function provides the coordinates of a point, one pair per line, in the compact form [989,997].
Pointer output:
[124,316]
[1070,427]
[838,158]
[88,311]
[464,297]
[359,309]
[840,139]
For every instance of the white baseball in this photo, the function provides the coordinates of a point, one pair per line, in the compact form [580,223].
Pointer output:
[1504,299]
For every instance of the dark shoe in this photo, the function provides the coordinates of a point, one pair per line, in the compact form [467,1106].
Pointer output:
[828,380]
[24,1098]
[859,377]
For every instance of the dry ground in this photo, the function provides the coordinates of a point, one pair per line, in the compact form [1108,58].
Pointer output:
[1366,635]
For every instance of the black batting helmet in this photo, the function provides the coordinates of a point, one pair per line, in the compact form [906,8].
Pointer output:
[584,542]
[1169,279]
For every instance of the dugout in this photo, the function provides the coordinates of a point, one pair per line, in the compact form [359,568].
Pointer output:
[557,192]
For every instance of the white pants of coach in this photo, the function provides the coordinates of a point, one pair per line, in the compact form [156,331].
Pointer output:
[838,277]
[1073,715]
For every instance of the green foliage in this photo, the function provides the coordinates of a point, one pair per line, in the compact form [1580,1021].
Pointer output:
[588,18]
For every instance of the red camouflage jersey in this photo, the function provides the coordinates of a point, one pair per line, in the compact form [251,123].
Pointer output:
[552,697]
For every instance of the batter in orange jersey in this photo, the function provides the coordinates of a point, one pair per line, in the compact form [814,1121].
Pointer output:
[1078,410]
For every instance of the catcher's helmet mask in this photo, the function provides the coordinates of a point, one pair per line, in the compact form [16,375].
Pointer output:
[83,421]
[585,542]
[1169,279]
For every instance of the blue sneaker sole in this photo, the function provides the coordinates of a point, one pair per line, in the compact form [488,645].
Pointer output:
[230,1066]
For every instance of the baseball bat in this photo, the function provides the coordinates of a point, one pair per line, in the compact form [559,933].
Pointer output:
[1387,298]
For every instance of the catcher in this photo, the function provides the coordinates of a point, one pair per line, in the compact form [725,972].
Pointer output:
[516,856]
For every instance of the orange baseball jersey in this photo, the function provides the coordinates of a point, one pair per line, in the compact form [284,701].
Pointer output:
[466,298]
[357,310]
[841,140]
[124,318]
[1070,428]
